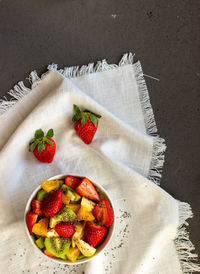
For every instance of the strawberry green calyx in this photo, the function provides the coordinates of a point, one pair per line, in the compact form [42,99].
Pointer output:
[41,140]
[84,116]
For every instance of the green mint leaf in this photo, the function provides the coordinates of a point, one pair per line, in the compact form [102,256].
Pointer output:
[32,146]
[50,133]
[49,141]
[76,109]
[93,119]
[39,133]
[84,120]
[41,147]
[76,117]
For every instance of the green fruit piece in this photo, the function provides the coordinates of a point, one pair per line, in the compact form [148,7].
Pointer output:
[40,242]
[81,256]
[71,193]
[60,183]
[65,188]
[57,246]
[101,195]
[65,215]
[77,197]
[41,195]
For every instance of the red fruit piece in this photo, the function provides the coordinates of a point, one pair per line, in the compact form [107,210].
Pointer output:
[36,206]
[103,212]
[43,147]
[85,124]
[87,131]
[72,181]
[52,204]
[94,234]
[87,189]
[31,219]
[47,155]
[48,253]
[65,229]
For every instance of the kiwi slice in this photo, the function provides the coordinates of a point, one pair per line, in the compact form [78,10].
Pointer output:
[41,195]
[57,246]
[71,193]
[65,215]
[40,242]
[60,183]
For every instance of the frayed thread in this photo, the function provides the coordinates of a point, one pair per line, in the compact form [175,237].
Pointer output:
[159,146]
[76,71]
[184,247]
[18,92]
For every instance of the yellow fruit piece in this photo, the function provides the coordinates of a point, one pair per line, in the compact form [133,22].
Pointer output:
[88,204]
[52,233]
[84,215]
[78,234]
[53,222]
[50,185]
[74,207]
[40,228]
[65,199]
[73,254]
[86,249]
[79,227]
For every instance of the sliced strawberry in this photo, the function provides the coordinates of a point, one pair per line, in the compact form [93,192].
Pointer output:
[31,219]
[48,253]
[103,212]
[72,181]
[52,204]
[87,189]
[36,206]
[65,229]
[94,234]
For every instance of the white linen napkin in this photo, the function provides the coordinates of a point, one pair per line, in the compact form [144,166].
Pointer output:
[125,157]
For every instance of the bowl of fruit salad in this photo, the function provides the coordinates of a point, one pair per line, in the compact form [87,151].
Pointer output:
[69,219]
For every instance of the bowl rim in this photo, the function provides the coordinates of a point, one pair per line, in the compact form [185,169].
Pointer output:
[110,232]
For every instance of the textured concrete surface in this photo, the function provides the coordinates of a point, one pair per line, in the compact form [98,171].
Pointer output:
[165,35]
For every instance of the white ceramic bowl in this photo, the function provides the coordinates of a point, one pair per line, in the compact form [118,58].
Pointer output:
[99,248]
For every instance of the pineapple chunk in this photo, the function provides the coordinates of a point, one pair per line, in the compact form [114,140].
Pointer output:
[86,249]
[78,234]
[73,254]
[88,204]
[65,199]
[50,185]
[52,234]
[84,215]
[74,207]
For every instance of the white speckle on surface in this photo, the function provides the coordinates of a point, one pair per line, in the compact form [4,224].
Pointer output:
[113,16]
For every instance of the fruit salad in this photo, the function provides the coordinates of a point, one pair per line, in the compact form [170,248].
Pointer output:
[69,218]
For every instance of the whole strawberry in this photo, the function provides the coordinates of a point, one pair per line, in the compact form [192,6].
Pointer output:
[85,124]
[43,147]
[52,204]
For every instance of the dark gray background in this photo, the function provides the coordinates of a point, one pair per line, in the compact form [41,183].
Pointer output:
[165,35]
